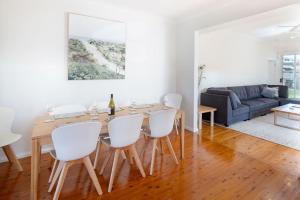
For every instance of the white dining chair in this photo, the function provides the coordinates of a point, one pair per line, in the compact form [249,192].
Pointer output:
[160,126]
[61,111]
[123,133]
[103,107]
[173,100]
[7,137]
[73,143]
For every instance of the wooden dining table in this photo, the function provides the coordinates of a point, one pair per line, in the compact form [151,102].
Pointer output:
[42,129]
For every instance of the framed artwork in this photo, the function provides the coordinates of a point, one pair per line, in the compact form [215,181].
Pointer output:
[96,48]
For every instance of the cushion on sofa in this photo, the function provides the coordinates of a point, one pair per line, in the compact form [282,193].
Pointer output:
[234,100]
[241,109]
[253,91]
[270,102]
[240,91]
[270,92]
[255,104]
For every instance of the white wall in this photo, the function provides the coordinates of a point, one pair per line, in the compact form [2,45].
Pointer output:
[233,58]
[33,70]
[287,46]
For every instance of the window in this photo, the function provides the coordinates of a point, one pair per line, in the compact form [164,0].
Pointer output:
[291,74]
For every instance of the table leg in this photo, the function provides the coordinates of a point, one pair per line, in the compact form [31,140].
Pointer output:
[200,121]
[212,118]
[182,121]
[35,160]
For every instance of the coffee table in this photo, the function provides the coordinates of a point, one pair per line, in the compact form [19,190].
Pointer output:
[290,109]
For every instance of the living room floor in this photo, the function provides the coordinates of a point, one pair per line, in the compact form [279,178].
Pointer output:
[220,164]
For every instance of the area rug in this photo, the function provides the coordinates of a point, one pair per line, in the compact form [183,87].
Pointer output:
[263,127]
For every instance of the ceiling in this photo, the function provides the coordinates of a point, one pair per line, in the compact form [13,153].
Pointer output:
[279,24]
[177,9]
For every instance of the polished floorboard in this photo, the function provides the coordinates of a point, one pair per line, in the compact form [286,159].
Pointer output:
[220,164]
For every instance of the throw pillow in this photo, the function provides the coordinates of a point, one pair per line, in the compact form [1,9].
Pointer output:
[236,99]
[270,92]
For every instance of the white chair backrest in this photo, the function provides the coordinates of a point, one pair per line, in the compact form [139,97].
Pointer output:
[125,130]
[173,100]
[67,109]
[77,140]
[6,119]
[161,122]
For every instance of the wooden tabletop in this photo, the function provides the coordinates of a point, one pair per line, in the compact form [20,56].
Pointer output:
[43,127]
[288,108]
[205,109]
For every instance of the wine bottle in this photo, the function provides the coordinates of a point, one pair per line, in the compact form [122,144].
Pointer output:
[111,105]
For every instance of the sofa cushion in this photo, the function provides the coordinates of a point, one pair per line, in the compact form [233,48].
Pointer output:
[240,91]
[255,104]
[270,92]
[241,109]
[233,100]
[236,98]
[253,91]
[270,102]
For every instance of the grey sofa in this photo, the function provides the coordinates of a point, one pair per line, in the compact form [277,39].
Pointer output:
[253,104]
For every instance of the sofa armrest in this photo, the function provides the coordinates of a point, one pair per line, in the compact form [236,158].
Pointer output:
[229,93]
[283,90]
[221,103]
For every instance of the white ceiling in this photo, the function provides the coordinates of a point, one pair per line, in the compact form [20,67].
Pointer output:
[279,24]
[177,9]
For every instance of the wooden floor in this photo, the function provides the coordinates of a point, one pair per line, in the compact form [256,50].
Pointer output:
[220,164]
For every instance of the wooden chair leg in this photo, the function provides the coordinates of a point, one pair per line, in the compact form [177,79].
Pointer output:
[88,164]
[145,136]
[161,147]
[52,171]
[98,149]
[167,139]
[153,155]
[176,126]
[104,164]
[130,157]
[12,157]
[123,154]
[56,175]
[137,160]
[61,180]
[113,170]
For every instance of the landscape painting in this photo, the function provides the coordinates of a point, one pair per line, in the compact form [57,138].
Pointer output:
[96,48]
